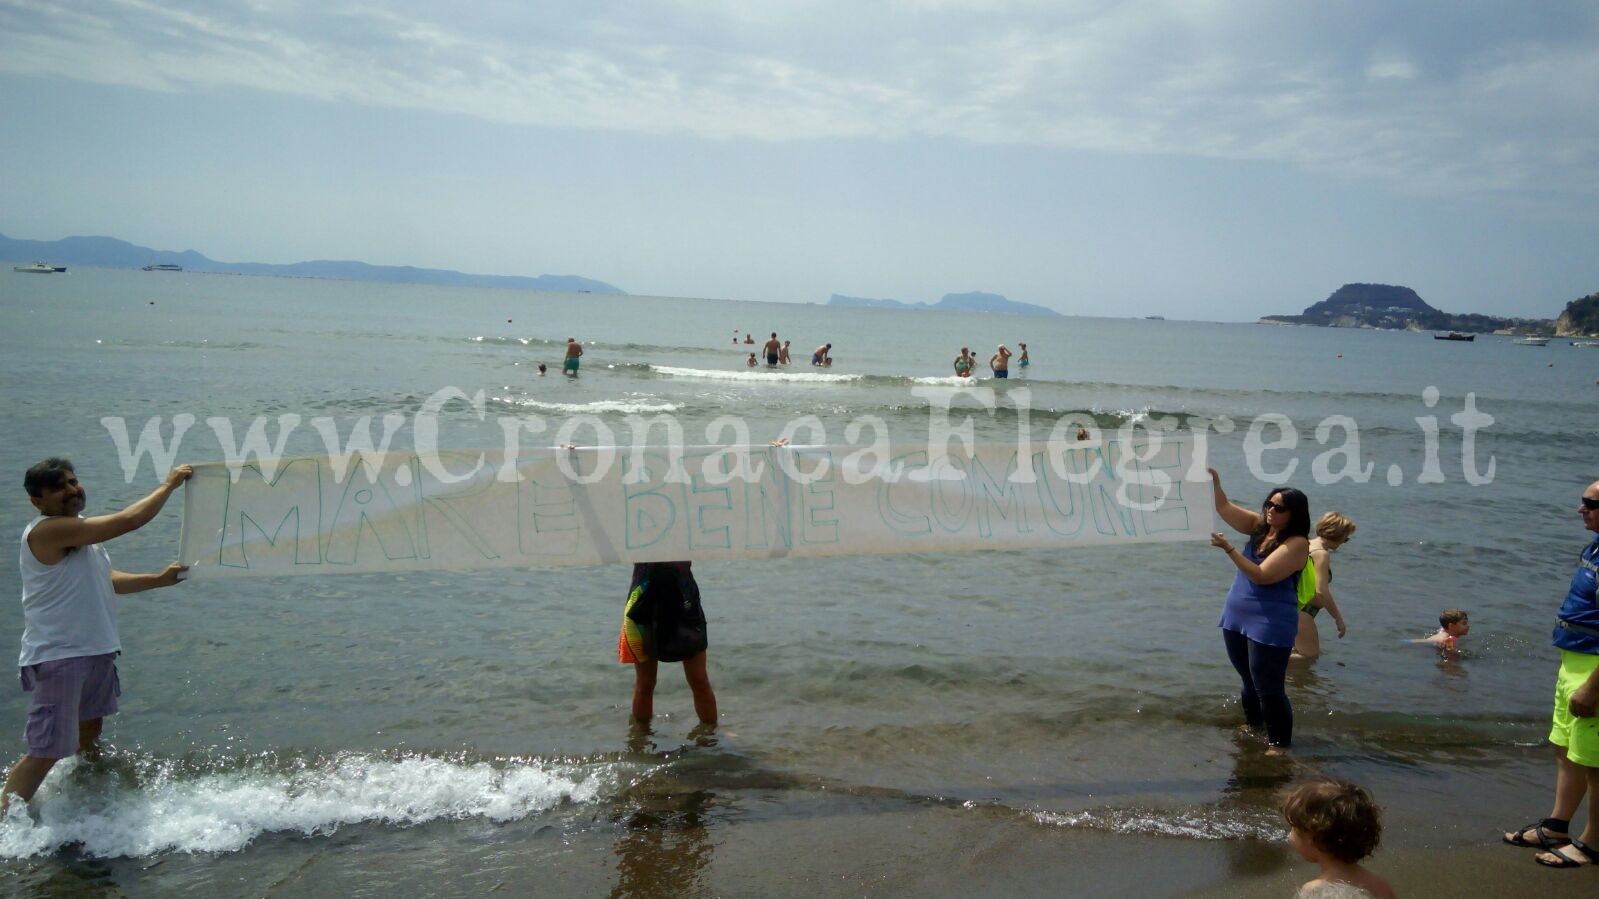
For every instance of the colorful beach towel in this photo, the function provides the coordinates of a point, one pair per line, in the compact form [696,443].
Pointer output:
[663,619]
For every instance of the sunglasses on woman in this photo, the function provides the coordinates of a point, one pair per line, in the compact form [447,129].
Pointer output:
[1279,507]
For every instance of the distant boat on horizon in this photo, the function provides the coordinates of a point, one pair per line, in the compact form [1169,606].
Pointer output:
[1155,318]
[1531,341]
[39,268]
[1455,335]
[163,267]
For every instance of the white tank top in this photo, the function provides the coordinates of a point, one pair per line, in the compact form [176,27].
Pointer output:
[68,609]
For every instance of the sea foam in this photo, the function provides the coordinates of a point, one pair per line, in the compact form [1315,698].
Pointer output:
[168,808]
[625,407]
[1214,825]
[753,375]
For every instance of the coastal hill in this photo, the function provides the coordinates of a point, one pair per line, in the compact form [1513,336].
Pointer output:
[108,252]
[976,301]
[1580,318]
[1400,308]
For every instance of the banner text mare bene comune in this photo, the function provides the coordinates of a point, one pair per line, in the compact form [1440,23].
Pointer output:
[463,510]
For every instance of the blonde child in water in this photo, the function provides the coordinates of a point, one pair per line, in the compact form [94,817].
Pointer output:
[1336,824]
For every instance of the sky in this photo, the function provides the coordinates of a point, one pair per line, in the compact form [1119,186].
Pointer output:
[1193,159]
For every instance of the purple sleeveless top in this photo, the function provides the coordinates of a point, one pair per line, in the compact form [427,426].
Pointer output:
[1265,613]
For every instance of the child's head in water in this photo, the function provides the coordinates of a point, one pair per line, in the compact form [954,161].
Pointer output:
[1332,820]
[1454,622]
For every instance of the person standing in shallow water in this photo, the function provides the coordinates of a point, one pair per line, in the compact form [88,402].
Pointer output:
[999,363]
[1575,730]
[69,617]
[963,363]
[574,352]
[1332,531]
[663,621]
[1261,616]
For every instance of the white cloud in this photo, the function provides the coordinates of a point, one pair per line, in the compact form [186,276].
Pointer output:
[1440,102]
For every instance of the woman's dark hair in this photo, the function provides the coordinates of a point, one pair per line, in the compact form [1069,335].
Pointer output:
[1298,521]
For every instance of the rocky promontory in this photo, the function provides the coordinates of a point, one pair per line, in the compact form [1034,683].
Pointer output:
[1580,318]
[1394,307]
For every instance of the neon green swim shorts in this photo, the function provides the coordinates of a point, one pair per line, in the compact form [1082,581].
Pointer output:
[1580,736]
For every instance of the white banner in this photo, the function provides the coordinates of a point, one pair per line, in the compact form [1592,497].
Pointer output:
[460,510]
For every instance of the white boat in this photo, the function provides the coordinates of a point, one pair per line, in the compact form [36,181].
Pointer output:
[1531,341]
[39,268]
[1586,344]
[164,267]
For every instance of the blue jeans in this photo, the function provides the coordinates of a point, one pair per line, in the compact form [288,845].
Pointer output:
[1262,669]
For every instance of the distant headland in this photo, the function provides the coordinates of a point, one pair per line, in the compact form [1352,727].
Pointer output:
[1400,308]
[108,252]
[975,301]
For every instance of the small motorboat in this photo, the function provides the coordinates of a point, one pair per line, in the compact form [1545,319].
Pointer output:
[1585,344]
[1455,335]
[39,268]
[163,267]
[1531,341]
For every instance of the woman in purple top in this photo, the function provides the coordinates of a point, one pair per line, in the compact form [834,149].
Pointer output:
[1261,615]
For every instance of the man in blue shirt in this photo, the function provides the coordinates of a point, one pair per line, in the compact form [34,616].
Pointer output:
[1576,727]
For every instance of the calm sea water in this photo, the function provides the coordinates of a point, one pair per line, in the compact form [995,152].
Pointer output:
[461,732]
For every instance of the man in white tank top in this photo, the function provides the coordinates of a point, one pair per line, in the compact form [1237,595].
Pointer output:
[69,616]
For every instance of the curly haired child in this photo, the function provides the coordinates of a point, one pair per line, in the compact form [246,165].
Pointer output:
[1335,824]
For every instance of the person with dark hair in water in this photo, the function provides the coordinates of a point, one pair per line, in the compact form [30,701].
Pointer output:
[69,616]
[574,353]
[1261,615]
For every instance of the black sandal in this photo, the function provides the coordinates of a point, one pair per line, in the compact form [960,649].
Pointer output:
[1566,861]
[1545,842]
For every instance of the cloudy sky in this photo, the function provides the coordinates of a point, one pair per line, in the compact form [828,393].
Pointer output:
[1198,159]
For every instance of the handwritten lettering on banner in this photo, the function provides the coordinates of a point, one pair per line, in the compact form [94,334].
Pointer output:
[463,510]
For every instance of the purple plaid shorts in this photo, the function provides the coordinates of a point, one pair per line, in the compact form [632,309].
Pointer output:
[66,691]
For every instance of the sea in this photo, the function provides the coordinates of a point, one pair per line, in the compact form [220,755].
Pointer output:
[1060,722]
